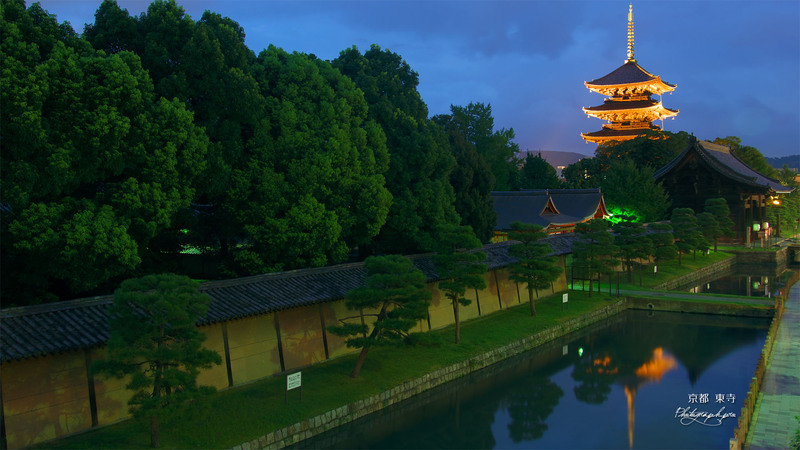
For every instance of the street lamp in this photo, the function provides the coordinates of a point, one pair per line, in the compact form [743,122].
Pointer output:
[776,202]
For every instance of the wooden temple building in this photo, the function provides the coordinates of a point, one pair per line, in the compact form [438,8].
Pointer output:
[630,108]
[705,170]
[556,210]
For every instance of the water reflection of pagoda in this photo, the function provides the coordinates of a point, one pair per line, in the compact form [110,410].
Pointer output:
[629,108]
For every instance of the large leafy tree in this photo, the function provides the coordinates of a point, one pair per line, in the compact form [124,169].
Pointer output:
[653,149]
[312,186]
[472,182]
[534,267]
[155,344]
[593,250]
[206,65]
[420,161]
[94,165]
[460,266]
[583,174]
[537,173]
[476,124]
[634,191]
[394,296]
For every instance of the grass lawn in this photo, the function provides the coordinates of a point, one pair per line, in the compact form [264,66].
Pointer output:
[243,413]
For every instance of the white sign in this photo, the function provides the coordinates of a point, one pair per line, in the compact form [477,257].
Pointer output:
[293,381]
[655,269]
[564,350]
[565,298]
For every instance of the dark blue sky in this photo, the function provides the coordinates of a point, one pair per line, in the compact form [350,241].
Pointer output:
[736,64]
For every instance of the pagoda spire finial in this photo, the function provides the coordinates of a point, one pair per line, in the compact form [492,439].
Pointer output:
[630,34]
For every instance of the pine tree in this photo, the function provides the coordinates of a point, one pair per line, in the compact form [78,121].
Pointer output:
[395,290]
[533,267]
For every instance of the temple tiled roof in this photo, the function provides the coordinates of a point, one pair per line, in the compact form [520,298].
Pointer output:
[628,73]
[530,206]
[611,133]
[71,325]
[720,159]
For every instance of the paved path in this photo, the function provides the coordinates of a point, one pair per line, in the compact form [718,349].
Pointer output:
[773,423]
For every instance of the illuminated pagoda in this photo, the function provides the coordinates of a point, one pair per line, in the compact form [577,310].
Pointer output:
[629,109]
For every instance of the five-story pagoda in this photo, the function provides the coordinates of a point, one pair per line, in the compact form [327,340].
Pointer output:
[629,108]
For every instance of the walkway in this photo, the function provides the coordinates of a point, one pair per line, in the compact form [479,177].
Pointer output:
[773,423]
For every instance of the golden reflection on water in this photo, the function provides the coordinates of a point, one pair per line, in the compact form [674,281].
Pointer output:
[650,371]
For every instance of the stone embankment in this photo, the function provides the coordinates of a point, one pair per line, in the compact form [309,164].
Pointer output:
[305,429]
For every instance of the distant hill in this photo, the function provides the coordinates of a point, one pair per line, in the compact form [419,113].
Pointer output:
[793,161]
[559,160]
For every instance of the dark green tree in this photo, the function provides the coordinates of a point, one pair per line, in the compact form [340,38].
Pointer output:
[533,267]
[420,161]
[153,340]
[664,248]
[537,173]
[634,191]
[718,207]
[312,186]
[394,295]
[653,149]
[584,174]
[472,181]
[633,243]
[709,227]
[207,66]
[94,165]
[686,231]
[787,176]
[459,267]
[593,250]
[476,124]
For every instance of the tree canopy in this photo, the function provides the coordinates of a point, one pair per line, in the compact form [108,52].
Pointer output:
[394,295]
[95,166]
[534,267]
[460,266]
[536,173]
[476,124]
[420,161]
[154,343]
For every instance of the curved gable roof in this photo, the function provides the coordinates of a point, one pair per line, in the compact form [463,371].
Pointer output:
[721,160]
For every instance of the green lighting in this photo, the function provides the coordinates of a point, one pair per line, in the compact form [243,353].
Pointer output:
[184,231]
[618,213]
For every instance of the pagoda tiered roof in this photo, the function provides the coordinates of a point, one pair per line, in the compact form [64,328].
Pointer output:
[629,79]
[629,108]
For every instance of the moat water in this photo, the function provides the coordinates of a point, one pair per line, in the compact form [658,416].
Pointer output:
[637,380]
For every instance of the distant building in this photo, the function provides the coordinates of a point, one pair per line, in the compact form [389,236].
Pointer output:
[629,109]
[705,170]
[556,210]
[559,160]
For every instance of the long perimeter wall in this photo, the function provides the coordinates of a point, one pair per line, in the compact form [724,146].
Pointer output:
[51,396]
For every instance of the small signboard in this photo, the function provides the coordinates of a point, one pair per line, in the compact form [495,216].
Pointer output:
[293,381]
[655,269]
[564,301]
[564,350]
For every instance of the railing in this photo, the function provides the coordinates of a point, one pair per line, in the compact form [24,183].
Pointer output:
[743,425]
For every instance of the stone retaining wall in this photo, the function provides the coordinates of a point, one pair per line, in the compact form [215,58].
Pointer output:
[339,416]
[715,268]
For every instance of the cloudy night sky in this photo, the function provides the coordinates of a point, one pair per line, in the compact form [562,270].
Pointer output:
[736,64]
